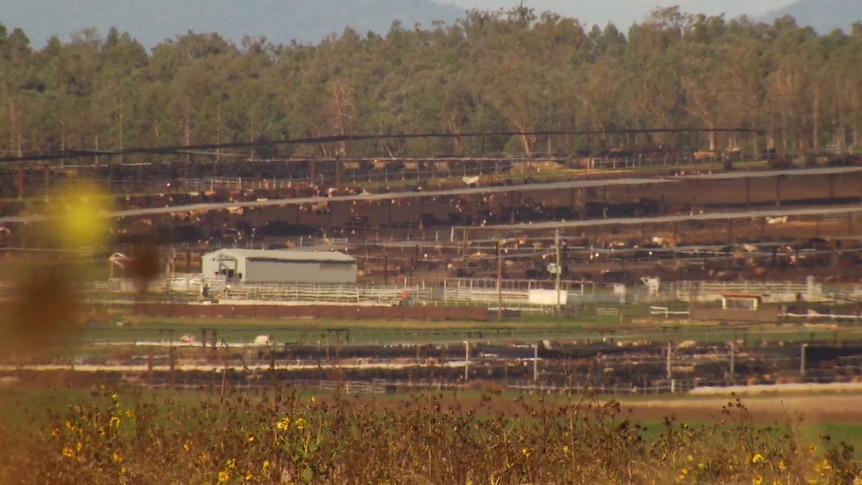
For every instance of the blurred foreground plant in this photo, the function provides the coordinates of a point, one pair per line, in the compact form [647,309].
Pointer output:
[278,437]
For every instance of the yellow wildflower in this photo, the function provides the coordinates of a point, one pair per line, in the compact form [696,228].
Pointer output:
[249,436]
[525,452]
[300,423]
[79,446]
[822,467]
[248,476]
[68,452]
[115,397]
[266,463]
[782,466]
[117,457]
[682,474]
[284,424]
[565,448]
[102,431]
[115,422]
[70,425]
[55,432]
[757,479]
[223,476]
[129,413]
[757,458]
[231,464]
[311,399]
[187,446]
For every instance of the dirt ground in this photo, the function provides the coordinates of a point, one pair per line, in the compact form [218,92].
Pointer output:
[770,408]
[773,408]
[824,408]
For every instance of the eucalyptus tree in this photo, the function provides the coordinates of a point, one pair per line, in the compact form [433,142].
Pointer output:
[505,71]
[655,95]
[20,90]
[72,73]
[330,88]
[703,74]
[493,71]
[563,49]
[791,91]
[116,101]
[854,116]
[841,85]
[742,71]
[599,85]
[181,78]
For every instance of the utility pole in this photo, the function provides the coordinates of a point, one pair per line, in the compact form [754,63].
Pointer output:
[802,361]
[499,283]
[536,363]
[559,269]
[466,360]
[732,360]
[669,359]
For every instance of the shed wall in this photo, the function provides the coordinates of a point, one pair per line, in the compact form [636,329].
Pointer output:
[299,272]
[209,265]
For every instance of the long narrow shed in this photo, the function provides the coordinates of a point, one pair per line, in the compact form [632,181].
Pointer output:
[279,266]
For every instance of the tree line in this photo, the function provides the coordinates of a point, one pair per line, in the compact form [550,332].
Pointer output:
[502,71]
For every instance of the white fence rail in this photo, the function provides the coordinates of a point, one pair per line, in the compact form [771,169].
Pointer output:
[326,293]
[665,311]
[481,295]
[513,293]
[813,315]
[377,386]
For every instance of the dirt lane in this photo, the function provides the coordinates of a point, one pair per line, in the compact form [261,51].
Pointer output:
[832,408]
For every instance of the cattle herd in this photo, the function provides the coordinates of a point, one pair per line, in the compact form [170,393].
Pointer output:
[443,222]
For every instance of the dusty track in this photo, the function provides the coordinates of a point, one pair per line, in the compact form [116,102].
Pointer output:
[821,408]
[803,409]
[812,409]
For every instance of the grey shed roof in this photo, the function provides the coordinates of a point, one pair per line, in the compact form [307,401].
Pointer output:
[288,255]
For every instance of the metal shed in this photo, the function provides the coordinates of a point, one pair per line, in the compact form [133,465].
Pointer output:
[279,266]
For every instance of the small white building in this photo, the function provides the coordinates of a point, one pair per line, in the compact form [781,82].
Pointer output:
[741,301]
[279,266]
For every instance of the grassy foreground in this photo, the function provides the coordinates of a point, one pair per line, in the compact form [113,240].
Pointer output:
[281,436]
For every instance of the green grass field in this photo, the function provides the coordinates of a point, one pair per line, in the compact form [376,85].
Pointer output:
[11,270]
[310,331]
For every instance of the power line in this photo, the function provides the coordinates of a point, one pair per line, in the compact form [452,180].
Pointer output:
[181,149]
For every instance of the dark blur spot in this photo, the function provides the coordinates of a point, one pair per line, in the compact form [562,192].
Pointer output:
[41,316]
[145,265]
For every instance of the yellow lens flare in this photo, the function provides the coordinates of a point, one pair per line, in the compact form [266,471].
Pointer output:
[83,210]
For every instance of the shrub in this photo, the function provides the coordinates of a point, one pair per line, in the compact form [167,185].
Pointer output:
[278,436]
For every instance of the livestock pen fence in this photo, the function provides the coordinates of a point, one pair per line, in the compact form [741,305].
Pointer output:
[386,386]
[195,287]
[663,298]
[386,170]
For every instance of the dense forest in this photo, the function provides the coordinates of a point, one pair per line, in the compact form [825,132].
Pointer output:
[505,71]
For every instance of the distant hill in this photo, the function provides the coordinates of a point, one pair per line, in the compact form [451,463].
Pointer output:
[823,15]
[280,21]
